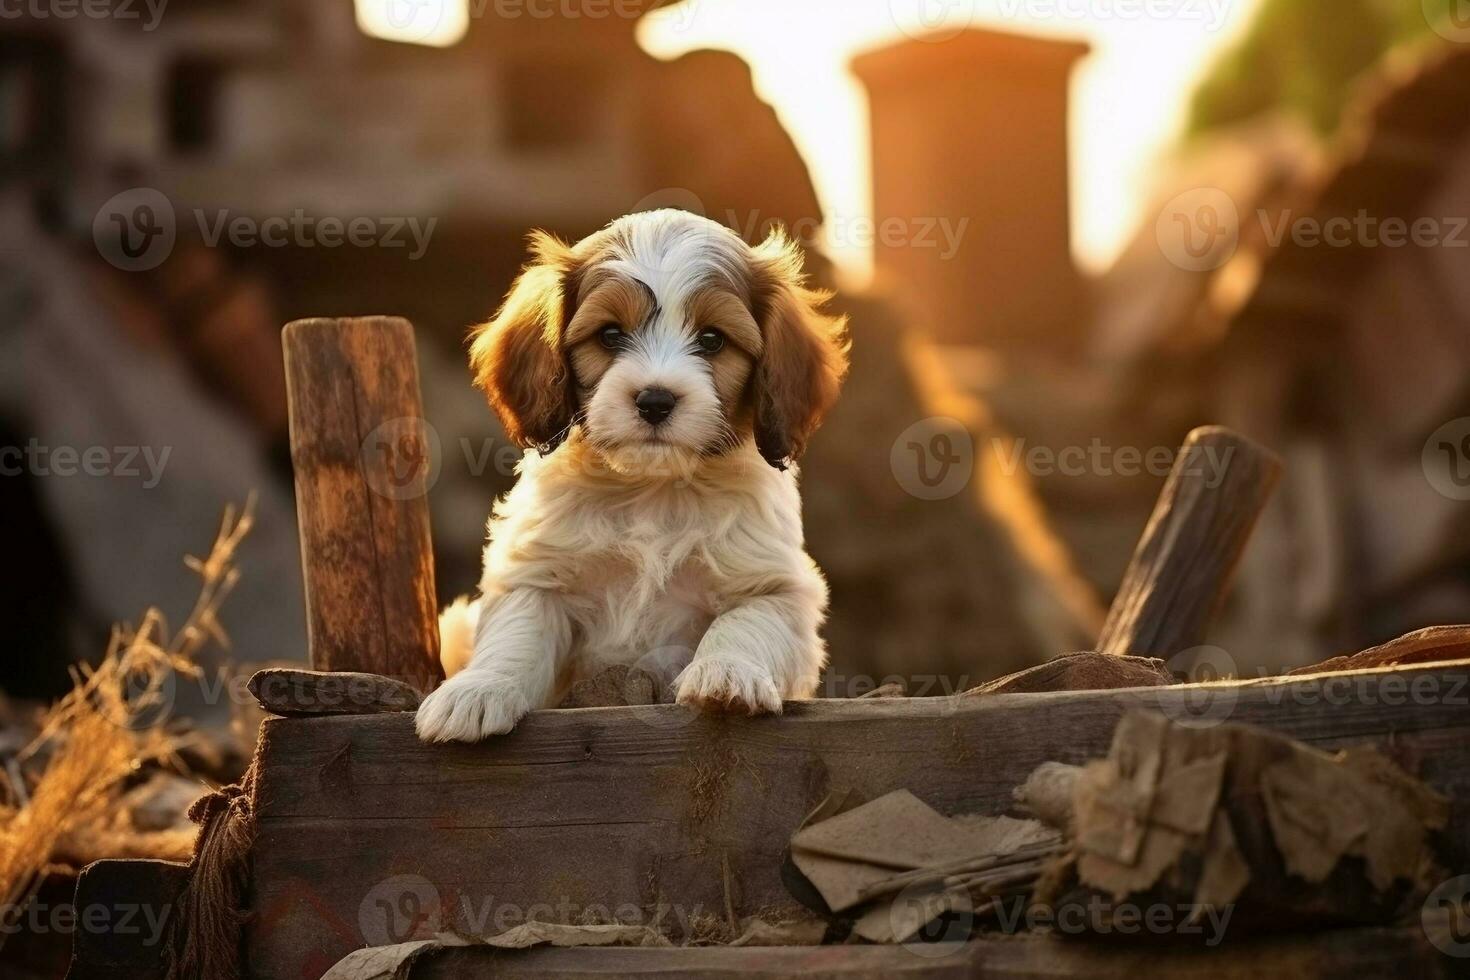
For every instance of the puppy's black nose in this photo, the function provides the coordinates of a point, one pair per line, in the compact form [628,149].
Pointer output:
[655,404]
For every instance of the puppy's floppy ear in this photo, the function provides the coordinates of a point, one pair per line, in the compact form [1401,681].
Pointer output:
[517,357]
[804,354]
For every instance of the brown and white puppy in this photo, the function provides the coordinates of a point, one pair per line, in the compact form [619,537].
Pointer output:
[664,376]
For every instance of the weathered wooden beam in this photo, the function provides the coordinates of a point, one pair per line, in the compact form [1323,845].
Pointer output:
[1180,571]
[363,460]
[1403,952]
[367,835]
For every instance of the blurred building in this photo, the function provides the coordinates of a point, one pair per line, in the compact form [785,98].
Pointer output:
[974,129]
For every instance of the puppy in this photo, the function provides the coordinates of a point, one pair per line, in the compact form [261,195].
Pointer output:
[663,376]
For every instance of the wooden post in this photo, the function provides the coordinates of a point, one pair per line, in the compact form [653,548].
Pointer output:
[364,459]
[1179,573]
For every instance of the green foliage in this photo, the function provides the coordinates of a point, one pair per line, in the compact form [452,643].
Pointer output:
[1303,56]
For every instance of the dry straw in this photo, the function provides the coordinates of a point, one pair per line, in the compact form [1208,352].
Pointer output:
[111,724]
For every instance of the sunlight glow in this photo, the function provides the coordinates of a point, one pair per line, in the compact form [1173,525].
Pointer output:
[437,23]
[1129,97]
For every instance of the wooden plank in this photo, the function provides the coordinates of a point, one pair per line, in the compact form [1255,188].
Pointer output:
[307,693]
[363,461]
[1326,955]
[366,835]
[124,909]
[1179,573]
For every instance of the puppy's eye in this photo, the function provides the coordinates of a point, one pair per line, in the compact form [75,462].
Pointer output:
[709,341]
[611,336]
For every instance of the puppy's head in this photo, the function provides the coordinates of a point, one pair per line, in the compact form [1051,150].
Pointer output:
[667,339]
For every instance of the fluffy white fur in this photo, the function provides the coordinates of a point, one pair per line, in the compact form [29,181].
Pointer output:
[629,540]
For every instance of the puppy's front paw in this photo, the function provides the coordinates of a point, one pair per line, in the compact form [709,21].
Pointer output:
[721,684]
[469,707]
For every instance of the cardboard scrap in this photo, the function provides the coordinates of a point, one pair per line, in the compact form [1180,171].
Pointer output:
[1138,811]
[911,861]
[395,962]
[800,932]
[899,920]
[897,831]
[1159,810]
[1322,808]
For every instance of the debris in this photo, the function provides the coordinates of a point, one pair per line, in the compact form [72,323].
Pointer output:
[1085,671]
[1048,791]
[1236,815]
[106,729]
[1429,645]
[914,862]
[799,932]
[395,962]
[299,693]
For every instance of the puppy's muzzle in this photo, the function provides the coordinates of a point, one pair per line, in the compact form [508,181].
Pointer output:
[655,404]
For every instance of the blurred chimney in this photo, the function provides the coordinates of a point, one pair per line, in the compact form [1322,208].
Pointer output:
[975,127]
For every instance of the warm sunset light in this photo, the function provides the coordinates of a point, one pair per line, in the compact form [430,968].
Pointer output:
[438,23]
[1129,96]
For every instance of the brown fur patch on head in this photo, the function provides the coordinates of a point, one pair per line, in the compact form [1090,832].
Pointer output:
[804,352]
[607,298]
[717,307]
[517,357]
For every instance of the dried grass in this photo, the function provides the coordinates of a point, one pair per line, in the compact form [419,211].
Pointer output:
[110,725]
